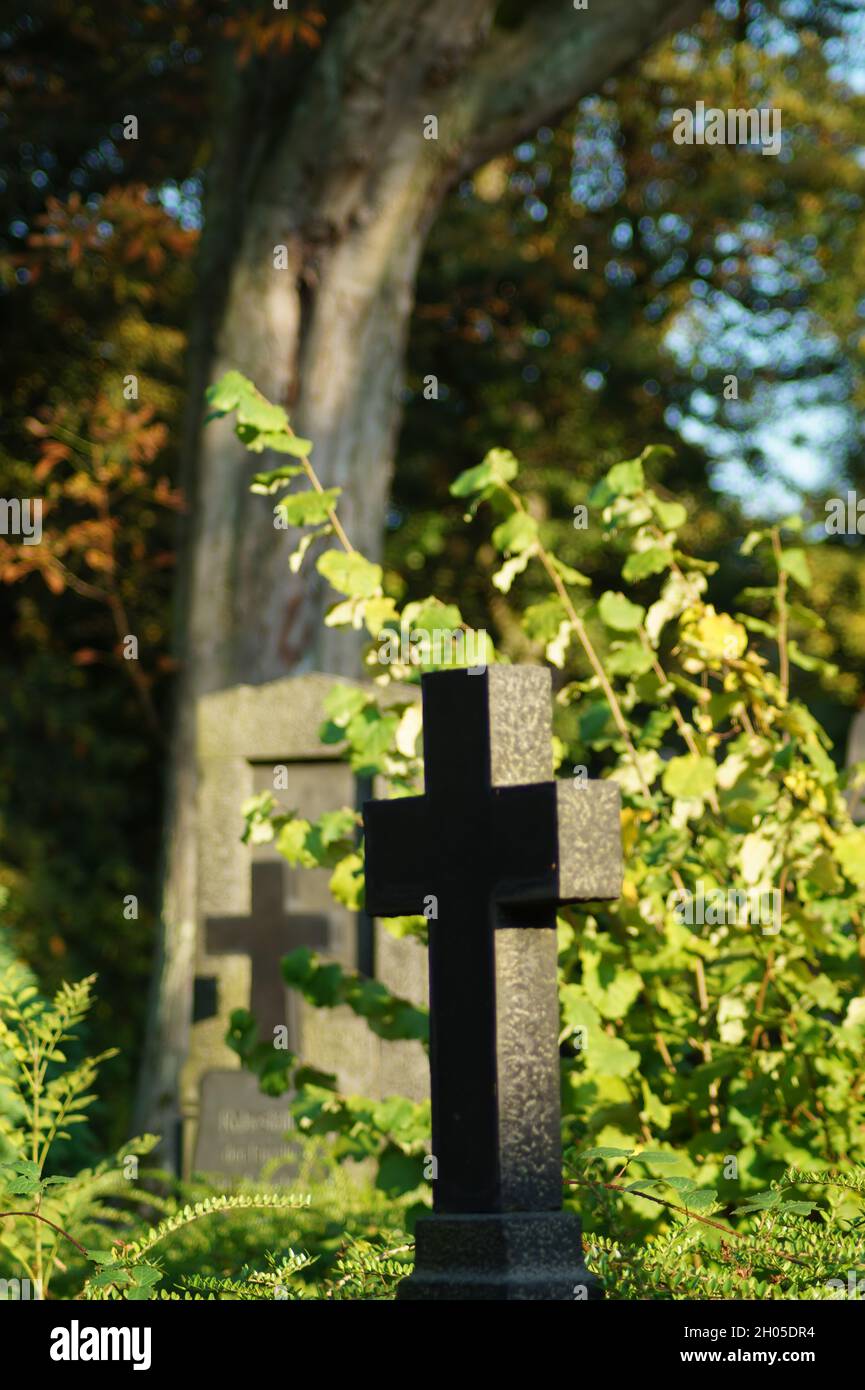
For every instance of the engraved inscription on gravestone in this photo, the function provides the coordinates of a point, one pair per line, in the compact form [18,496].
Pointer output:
[241,1130]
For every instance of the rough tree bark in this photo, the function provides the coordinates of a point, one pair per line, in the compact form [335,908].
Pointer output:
[325,154]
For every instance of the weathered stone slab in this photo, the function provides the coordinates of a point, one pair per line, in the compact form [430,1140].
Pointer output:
[244,735]
[241,1131]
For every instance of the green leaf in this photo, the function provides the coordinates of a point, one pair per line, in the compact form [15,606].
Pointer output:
[499,466]
[654,454]
[683,1185]
[761,1201]
[626,478]
[504,578]
[629,659]
[611,986]
[308,508]
[342,702]
[617,612]
[795,562]
[371,734]
[689,777]
[23,1186]
[806,616]
[755,856]
[295,559]
[337,825]
[111,1274]
[260,424]
[291,842]
[671,515]
[702,1200]
[751,541]
[541,621]
[349,573]
[259,415]
[849,851]
[225,394]
[643,563]
[606,1056]
[430,615]
[761,592]
[346,882]
[399,1172]
[577,1012]
[393,1114]
[806,662]
[622,480]
[25,1166]
[378,613]
[516,534]
[758,625]
[279,440]
[556,649]
[324,986]
[274,479]
[298,966]
[568,573]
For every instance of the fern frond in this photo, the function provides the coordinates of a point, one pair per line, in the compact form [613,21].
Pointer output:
[212,1206]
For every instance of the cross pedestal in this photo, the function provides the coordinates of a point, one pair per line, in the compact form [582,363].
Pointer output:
[494,845]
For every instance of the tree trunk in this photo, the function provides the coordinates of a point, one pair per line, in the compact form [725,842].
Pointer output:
[342,176]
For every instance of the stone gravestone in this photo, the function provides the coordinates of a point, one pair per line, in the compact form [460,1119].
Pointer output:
[253,908]
[240,1131]
[491,848]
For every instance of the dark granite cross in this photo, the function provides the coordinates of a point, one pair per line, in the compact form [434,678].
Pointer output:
[267,934]
[493,845]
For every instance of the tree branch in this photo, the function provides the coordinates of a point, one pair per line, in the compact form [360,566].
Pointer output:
[534,74]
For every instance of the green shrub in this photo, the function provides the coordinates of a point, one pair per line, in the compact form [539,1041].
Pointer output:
[729,1054]
[717,1010]
[112,1232]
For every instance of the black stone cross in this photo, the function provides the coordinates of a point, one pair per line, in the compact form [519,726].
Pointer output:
[267,934]
[490,849]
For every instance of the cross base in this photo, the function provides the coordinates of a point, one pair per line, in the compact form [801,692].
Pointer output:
[507,1255]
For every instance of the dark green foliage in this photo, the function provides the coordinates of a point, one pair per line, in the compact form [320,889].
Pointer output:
[717,1007]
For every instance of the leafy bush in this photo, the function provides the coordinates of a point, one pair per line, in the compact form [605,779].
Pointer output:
[718,1008]
[110,1232]
[784,1247]
[699,1030]
[44,1097]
